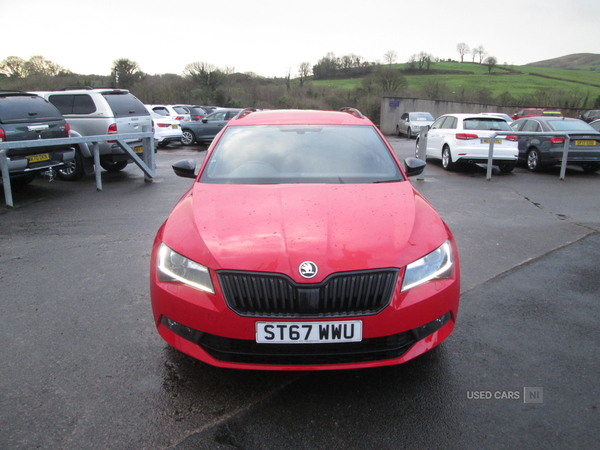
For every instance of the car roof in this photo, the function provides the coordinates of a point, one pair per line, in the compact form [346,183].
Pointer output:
[300,117]
[474,116]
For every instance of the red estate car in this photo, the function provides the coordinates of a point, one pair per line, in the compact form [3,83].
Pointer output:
[536,112]
[302,245]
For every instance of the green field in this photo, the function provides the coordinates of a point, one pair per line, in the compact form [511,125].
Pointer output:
[518,81]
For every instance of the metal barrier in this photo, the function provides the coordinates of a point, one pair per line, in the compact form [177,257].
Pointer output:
[147,164]
[563,167]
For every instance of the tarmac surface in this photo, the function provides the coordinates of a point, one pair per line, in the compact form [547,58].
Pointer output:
[83,365]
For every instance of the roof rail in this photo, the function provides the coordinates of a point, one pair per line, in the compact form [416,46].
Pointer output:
[244,112]
[75,88]
[353,111]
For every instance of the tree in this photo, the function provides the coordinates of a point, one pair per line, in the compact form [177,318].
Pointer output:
[480,53]
[13,67]
[303,72]
[207,78]
[327,66]
[125,73]
[462,50]
[390,57]
[491,62]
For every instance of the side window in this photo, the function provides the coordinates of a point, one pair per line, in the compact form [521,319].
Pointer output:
[83,104]
[217,116]
[450,123]
[231,115]
[64,103]
[438,123]
[161,110]
[404,116]
[531,125]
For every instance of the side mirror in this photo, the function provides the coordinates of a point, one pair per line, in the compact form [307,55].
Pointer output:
[185,168]
[204,120]
[414,166]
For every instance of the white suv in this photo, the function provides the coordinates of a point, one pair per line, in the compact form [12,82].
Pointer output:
[97,112]
[465,138]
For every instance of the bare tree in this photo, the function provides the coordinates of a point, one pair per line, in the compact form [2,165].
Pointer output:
[303,72]
[479,52]
[390,56]
[462,50]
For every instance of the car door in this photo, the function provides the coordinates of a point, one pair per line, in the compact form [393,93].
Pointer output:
[403,123]
[435,137]
[212,125]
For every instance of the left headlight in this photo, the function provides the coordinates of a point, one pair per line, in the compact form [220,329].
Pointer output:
[437,264]
[175,267]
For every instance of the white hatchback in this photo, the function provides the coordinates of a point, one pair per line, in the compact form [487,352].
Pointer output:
[465,138]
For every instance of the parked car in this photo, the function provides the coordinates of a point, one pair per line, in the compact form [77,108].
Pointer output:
[198,112]
[410,123]
[465,138]
[536,112]
[166,130]
[207,128]
[174,112]
[590,116]
[542,151]
[29,117]
[506,117]
[97,112]
[301,245]
[595,125]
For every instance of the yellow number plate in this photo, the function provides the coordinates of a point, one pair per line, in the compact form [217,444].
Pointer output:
[174,127]
[588,143]
[138,149]
[36,158]
[487,141]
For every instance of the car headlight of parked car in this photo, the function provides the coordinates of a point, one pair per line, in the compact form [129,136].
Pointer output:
[175,267]
[437,264]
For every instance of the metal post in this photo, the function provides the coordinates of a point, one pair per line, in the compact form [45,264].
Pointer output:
[563,166]
[148,155]
[6,179]
[96,152]
[490,157]
[421,150]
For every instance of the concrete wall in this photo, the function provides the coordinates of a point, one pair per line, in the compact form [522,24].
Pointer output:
[393,107]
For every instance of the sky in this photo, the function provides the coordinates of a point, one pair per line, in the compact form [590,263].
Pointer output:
[270,37]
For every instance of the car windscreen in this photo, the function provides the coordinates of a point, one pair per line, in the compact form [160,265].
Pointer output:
[124,104]
[570,125]
[486,124]
[421,116]
[281,154]
[25,108]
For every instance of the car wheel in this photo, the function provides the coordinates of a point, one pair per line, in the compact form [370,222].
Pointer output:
[74,170]
[398,131]
[534,162]
[447,163]
[188,137]
[113,166]
[507,168]
[590,167]
[408,133]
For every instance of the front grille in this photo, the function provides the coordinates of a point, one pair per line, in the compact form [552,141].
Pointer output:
[250,352]
[256,294]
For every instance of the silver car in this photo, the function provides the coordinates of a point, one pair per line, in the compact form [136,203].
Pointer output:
[410,123]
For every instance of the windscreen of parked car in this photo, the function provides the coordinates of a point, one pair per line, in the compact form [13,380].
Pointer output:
[24,108]
[570,125]
[486,124]
[421,116]
[124,105]
[281,154]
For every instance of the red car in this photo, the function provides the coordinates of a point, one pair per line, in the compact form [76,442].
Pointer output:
[301,245]
[536,112]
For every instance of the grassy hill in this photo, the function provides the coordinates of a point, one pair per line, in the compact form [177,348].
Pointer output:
[573,78]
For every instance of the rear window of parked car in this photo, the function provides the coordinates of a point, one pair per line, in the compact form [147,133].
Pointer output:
[124,105]
[26,108]
[570,125]
[486,124]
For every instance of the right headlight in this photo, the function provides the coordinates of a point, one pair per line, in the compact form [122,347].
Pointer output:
[437,264]
[175,267]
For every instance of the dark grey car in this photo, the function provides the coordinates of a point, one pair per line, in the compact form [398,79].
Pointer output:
[207,128]
[541,151]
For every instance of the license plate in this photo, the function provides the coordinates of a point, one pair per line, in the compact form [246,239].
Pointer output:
[174,127]
[40,157]
[308,332]
[587,143]
[138,149]
[487,141]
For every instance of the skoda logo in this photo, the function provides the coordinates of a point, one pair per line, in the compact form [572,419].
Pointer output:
[308,269]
